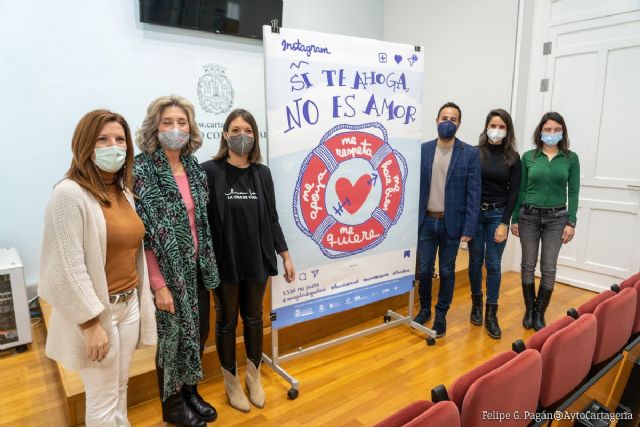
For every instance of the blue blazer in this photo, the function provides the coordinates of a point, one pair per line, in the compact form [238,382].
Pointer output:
[462,188]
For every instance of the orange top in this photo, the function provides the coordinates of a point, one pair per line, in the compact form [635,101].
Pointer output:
[125,231]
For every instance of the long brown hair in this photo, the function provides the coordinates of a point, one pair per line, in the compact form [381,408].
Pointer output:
[509,150]
[83,170]
[254,154]
[563,145]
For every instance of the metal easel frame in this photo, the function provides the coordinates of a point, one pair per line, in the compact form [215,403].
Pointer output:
[391,319]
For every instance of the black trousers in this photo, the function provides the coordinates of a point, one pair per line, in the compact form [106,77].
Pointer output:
[245,297]
[204,307]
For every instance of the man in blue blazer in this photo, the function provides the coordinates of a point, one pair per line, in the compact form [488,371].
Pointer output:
[448,211]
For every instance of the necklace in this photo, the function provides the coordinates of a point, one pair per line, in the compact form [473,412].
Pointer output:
[100,177]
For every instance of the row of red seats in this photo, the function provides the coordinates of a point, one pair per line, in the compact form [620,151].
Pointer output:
[536,375]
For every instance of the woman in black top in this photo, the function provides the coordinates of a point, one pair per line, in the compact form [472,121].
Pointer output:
[501,167]
[246,235]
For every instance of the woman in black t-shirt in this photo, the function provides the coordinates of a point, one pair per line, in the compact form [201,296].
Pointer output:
[246,237]
[500,165]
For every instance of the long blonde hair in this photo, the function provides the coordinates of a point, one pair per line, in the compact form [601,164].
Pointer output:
[147,135]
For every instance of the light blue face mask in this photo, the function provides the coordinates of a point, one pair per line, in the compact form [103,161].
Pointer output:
[110,159]
[551,138]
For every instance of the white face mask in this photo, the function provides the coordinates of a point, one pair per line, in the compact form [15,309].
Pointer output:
[496,135]
[110,159]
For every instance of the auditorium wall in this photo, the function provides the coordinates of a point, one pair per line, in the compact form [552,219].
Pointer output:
[68,57]
[64,58]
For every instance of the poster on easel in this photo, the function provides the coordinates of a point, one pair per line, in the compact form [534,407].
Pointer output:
[344,122]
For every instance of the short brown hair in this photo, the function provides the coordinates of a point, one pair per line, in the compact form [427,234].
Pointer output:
[254,154]
[82,169]
[451,105]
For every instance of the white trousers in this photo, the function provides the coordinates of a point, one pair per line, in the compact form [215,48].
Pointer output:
[106,387]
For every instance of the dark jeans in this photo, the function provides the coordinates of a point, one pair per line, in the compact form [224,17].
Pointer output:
[246,297]
[538,225]
[483,250]
[432,238]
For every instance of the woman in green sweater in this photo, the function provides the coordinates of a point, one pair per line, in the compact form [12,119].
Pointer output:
[550,176]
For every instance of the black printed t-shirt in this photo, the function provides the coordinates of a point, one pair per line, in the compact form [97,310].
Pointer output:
[242,259]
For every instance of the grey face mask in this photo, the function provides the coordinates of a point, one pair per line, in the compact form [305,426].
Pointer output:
[173,139]
[240,144]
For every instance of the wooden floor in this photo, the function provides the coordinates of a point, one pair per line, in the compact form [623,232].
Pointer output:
[354,384]
[30,392]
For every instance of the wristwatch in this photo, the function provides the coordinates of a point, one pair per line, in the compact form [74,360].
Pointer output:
[571,224]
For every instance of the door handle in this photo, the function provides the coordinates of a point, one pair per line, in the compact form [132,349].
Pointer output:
[633,187]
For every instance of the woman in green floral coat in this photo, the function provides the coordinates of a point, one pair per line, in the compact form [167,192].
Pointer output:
[172,202]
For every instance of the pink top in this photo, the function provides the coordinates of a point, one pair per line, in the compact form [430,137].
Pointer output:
[155,275]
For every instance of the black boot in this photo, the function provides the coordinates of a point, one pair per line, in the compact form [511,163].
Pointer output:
[175,409]
[476,309]
[529,293]
[440,325]
[424,315]
[542,302]
[424,293]
[491,321]
[206,411]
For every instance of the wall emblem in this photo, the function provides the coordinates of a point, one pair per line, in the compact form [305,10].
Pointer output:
[215,92]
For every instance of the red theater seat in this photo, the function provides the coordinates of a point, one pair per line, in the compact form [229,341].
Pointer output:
[590,305]
[460,387]
[566,348]
[441,414]
[636,322]
[507,384]
[424,413]
[537,340]
[634,282]
[615,315]
[630,282]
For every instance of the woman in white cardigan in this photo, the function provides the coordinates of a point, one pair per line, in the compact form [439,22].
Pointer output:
[93,271]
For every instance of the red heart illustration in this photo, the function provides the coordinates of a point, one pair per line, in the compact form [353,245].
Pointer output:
[356,194]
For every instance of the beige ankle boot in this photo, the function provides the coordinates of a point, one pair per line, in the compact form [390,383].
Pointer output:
[254,384]
[236,396]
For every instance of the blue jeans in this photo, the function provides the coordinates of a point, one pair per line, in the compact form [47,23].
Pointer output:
[536,226]
[483,250]
[432,238]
